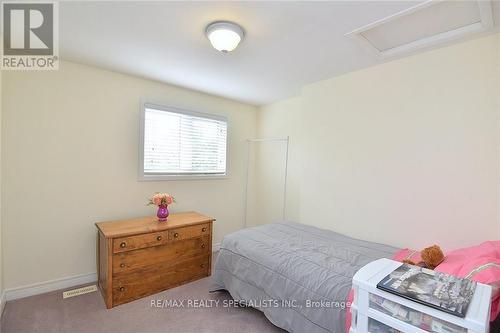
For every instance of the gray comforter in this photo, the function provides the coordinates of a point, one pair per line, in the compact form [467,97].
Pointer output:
[298,275]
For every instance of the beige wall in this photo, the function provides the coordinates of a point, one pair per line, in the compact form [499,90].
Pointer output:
[404,153]
[70,157]
[410,142]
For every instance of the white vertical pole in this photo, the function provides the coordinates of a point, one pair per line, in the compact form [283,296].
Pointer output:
[245,206]
[286,175]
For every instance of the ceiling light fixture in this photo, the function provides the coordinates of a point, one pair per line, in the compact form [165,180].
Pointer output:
[224,36]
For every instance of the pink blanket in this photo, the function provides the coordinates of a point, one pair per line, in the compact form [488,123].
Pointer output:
[480,263]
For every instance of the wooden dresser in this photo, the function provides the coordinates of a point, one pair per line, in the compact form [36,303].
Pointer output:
[140,257]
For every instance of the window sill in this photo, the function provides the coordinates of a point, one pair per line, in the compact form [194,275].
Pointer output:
[154,178]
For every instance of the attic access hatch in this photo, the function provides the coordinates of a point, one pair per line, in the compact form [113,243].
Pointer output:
[427,24]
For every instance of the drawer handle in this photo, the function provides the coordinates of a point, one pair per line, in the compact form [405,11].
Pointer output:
[158,238]
[203,229]
[202,246]
[176,235]
[202,265]
[123,244]
[122,288]
[122,265]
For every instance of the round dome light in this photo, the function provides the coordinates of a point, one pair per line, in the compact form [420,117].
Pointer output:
[224,36]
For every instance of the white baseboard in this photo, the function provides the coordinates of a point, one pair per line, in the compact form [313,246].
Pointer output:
[48,286]
[215,247]
[58,284]
[2,303]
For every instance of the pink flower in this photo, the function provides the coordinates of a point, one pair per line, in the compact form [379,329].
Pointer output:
[161,199]
[156,200]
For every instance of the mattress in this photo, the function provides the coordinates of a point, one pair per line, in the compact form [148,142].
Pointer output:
[299,276]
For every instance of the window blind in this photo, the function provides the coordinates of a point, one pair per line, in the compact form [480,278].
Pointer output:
[178,143]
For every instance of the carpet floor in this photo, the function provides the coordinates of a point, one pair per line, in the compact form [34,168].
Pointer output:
[50,313]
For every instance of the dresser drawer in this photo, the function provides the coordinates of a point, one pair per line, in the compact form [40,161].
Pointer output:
[159,257]
[189,232]
[139,241]
[140,284]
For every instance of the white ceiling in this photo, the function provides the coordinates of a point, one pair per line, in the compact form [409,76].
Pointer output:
[287,44]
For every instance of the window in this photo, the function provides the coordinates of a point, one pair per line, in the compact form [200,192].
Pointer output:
[178,144]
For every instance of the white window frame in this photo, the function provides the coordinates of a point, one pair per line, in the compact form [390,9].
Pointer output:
[142,176]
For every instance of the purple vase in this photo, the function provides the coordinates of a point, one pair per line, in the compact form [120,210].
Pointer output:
[162,213]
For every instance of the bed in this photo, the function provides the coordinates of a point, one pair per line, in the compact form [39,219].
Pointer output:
[299,276]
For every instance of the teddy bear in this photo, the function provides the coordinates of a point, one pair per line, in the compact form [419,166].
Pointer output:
[431,256]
